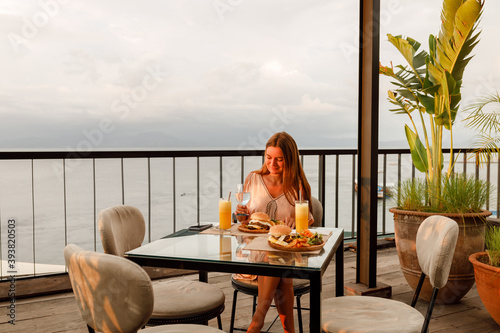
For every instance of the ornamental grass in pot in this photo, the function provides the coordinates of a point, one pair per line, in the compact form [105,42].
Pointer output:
[487,273]
[427,90]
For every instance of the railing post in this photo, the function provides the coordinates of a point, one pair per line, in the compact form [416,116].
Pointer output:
[384,190]
[198,190]
[321,184]
[337,174]
[174,206]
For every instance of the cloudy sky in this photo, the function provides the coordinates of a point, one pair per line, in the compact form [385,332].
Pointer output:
[206,73]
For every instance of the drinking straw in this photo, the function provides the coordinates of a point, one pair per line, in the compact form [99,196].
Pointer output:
[229,197]
[300,195]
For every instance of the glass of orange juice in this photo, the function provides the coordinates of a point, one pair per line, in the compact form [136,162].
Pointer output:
[224,214]
[301,215]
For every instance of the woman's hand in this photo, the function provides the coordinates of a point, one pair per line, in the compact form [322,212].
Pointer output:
[290,221]
[242,210]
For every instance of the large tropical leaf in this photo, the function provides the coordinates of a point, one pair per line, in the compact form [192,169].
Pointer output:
[428,102]
[448,12]
[418,152]
[456,38]
[445,116]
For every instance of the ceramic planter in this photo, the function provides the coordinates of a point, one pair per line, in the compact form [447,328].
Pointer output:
[487,284]
[470,240]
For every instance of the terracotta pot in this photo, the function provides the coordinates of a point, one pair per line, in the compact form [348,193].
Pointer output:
[487,284]
[470,240]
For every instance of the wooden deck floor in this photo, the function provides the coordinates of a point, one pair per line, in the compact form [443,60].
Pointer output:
[59,313]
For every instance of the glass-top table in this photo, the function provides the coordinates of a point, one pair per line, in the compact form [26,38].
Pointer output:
[226,253]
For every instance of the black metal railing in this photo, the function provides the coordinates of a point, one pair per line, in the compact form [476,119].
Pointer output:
[173,188]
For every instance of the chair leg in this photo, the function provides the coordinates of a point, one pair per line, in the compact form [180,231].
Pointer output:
[271,325]
[429,310]
[254,307]
[417,290]
[299,315]
[233,311]
[219,322]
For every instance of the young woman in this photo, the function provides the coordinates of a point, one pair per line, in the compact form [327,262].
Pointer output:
[274,189]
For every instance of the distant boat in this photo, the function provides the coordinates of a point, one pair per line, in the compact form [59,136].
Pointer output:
[380,189]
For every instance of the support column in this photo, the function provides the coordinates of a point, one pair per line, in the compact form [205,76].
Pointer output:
[368,116]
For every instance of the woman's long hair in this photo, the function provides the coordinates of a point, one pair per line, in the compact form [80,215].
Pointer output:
[294,178]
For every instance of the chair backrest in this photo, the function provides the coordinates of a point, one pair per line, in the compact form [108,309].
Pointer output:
[436,240]
[122,229]
[317,211]
[113,293]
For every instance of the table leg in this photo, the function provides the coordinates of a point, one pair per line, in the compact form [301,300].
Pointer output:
[203,276]
[315,303]
[339,269]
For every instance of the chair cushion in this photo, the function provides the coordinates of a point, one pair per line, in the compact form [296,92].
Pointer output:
[436,240]
[180,298]
[349,314]
[181,328]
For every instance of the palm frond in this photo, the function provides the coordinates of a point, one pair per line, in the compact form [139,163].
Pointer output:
[485,146]
[485,121]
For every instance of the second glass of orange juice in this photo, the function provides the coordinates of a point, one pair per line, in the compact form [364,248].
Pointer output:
[301,215]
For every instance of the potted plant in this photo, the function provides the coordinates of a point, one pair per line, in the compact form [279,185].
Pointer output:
[428,91]
[485,117]
[487,273]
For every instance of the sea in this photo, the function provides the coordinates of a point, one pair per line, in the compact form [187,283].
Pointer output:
[48,209]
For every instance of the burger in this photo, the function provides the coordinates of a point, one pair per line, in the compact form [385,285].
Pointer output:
[261,221]
[280,235]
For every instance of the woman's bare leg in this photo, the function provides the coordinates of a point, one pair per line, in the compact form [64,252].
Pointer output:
[267,290]
[283,299]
